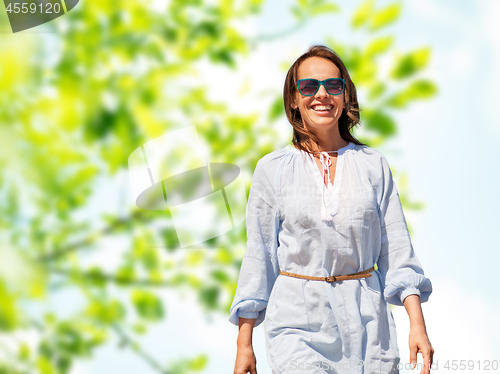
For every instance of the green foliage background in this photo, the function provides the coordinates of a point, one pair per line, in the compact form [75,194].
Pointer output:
[73,108]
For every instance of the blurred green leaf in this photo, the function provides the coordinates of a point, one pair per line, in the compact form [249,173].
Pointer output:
[125,275]
[381,123]
[195,257]
[147,305]
[411,63]
[106,312]
[312,8]
[20,274]
[44,366]
[277,109]
[379,45]
[323,8]
[385,16]
[220,275]
[24,352]
[365,71]
[149,257]
[377,90]
[198,363]
[209,296]
[96,276]
[254,6]
[417,90]
[186,366]
[410,204]
[223,256]
[298,13]
[363,13]
[139,328]
[8,310]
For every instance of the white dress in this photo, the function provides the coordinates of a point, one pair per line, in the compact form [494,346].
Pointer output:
[315,326]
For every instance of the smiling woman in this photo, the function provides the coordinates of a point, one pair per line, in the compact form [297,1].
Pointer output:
[309,267]
[320,63]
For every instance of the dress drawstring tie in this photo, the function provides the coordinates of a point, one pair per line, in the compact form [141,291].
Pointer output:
[324,158]
[326,165]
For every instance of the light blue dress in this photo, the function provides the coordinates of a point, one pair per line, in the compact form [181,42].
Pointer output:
[294,224]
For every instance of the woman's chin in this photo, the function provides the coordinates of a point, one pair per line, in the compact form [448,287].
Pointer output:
[323,124]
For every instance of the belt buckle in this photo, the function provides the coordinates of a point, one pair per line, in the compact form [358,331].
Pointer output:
[330,279]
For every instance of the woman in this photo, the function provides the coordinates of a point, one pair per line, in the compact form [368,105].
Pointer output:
[326,206]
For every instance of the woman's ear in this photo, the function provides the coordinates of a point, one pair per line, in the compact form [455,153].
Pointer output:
[293,105]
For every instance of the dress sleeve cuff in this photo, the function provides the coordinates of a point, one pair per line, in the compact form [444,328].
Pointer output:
[404,282]
[248,314]
[248,309]
[409,291]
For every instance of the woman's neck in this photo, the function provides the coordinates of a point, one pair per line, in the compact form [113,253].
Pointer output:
[329,139]
[331,146]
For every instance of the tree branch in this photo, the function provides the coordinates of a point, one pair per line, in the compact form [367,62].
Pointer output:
[279,34]
[127,341]
[88,240]
[113,278]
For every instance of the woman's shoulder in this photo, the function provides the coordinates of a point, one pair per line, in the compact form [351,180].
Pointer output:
[365,150]
[273,159]
[370,155]
[268,165]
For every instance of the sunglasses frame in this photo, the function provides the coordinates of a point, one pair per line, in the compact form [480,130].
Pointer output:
[319,85]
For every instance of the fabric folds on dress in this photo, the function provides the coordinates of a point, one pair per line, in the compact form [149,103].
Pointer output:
[259,268]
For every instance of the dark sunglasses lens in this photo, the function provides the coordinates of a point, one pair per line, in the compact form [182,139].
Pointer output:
[308,86]
[334,86]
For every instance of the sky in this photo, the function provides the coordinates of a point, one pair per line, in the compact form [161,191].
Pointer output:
[449,148]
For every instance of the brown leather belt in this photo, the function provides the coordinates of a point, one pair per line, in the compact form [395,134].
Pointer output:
[332,278]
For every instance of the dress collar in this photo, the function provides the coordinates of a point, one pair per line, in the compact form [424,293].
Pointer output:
[292,149]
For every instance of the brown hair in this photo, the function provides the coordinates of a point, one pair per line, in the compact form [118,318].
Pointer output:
[303,138]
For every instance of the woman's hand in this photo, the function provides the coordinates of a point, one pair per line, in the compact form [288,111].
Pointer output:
[419,343]
[245,361]
[245,358]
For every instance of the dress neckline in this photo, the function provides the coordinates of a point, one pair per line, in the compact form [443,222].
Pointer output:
[292,149]
[330,201]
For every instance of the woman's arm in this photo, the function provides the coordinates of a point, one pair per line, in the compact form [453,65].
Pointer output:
[419,342]
[245,357]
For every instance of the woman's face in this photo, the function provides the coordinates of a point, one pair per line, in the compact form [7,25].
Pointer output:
[314,119]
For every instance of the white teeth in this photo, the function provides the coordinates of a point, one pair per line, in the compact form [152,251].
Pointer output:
[322,107]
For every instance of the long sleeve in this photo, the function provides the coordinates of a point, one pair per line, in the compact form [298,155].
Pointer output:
[259,268]
[398,264]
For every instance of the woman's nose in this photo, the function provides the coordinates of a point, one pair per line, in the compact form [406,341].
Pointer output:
[321,91]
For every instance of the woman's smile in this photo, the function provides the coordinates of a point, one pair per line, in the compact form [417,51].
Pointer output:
[322,108]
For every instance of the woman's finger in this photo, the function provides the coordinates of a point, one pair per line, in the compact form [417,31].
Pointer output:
[425,360]
[413,355]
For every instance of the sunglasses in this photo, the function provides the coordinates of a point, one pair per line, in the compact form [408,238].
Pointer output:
[308,86]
